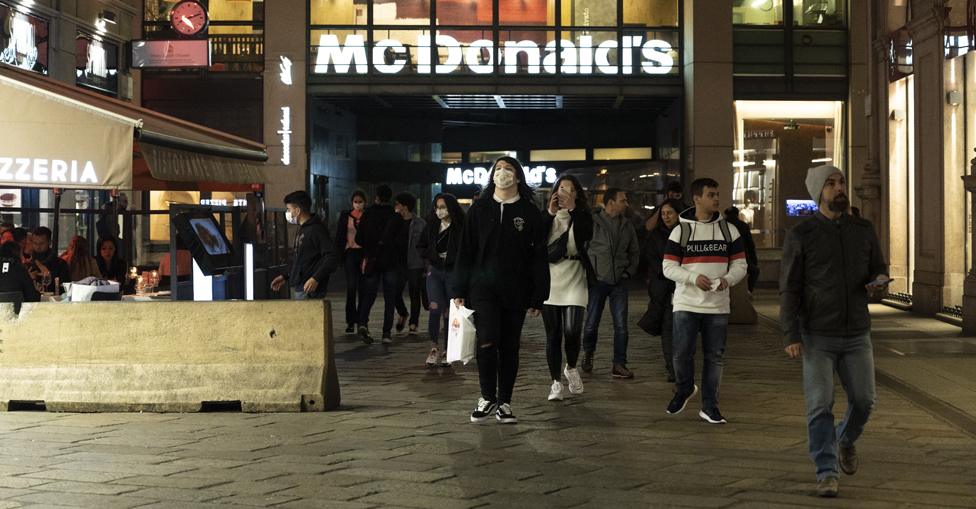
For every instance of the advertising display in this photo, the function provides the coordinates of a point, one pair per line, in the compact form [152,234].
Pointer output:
[186,53]
[96,64]
[23,40]
[206,242]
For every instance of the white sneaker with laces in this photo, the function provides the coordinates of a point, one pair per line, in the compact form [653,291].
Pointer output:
[432,357]
[504,415]
[575,382]
[483,410]
[556,391]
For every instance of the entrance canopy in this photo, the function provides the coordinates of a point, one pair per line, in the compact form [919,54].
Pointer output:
[56,135]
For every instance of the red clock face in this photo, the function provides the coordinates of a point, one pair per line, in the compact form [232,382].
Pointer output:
[188,18]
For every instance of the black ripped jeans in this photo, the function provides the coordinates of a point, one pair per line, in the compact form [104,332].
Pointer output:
[560,322]
[499,331]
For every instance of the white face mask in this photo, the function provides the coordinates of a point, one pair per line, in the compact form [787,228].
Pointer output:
[442,213]
[291,219]
[504,178]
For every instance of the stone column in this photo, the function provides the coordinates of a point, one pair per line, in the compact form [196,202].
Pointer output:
[708,93]
[926,28]
[285,35]
[969,286]
[874,97]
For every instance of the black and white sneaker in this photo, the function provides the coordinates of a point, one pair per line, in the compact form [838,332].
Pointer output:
[364,335]
[678,402]
[483,411]
[712,416]
[504,414]
[350,329]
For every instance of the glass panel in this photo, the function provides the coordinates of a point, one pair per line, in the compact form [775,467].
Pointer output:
[829,13]
[340,51]
[589,52]
[566,154]
[489,156]
[524,52]
[590,13]
[651,13]
[465,52]
[622,153]
[338,12]
[23,40]
[757,12]
[529,12]
[776,142]
[96,63]
[404,52]
[653,52]
[401,12]
[464,12]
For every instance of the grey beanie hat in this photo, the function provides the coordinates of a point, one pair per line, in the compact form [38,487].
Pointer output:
[816,177]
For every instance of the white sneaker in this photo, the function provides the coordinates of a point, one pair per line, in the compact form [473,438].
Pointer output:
[556,391]
[575,382]
[432,357]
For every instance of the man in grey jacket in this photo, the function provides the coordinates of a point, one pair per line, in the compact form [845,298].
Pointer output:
[831,262]
[614,254]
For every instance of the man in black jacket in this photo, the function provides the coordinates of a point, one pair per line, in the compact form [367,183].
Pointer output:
[382,234]
[45,264]
[831,261]
[13,276]
[314,257]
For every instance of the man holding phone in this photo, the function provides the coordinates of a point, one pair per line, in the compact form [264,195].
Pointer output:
[832,261]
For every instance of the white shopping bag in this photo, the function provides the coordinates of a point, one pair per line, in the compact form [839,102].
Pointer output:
[461,338]
[82,291]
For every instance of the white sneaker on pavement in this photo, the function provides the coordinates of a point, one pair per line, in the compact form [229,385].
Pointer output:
[432,357]
[556,391]
[575,382]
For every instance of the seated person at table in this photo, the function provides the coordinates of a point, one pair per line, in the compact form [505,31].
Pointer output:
[111,266]
[44,261]
[13,275]
[80,262]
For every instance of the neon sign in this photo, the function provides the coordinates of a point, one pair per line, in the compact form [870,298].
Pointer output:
[390,56]
[534,176]
[285,133]
[284,70]
[23,169]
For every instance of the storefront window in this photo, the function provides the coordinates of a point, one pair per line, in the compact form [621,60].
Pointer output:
[775,143]
[463,12]
[236,31]
[901,183]
[338,12]
[757,12]
[401,12]
[820,13]
[651,13]
[97,64]
[23,39]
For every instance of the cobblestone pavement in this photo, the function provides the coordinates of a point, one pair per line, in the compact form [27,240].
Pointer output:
[403,439]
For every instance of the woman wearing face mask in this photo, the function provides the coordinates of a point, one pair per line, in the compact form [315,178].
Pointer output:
[439,247]
[351,255]
[501,272]
[657,319]
[570,226]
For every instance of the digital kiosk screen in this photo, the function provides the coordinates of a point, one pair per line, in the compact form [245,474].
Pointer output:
[206,241]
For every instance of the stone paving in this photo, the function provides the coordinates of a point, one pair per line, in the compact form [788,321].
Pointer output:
[402,439]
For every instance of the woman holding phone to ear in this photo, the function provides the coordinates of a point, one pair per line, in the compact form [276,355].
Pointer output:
[569,226]
[501,273]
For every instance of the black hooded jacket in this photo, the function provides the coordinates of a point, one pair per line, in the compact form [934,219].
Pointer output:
[314,256]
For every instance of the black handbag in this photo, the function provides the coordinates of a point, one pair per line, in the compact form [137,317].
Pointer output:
[559,248]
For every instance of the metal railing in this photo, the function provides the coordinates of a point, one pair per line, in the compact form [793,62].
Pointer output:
[237,48]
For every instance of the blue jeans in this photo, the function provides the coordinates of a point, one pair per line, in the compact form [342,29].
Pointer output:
[438,292]
[853,359]
[713,329]
[618,310]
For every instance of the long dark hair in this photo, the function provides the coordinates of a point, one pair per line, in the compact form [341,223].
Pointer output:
[674,204]
[582,204]
[523,187]
[453,208]
[110,240]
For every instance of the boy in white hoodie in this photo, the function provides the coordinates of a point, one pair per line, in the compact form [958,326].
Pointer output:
[704,257]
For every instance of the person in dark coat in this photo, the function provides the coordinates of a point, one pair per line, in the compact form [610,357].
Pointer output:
[110,265]
[438,245]
[383,235]
[752,259]
[314,258]
[351,256]
[657,321]
[14,277]
[46,266]
[501,272]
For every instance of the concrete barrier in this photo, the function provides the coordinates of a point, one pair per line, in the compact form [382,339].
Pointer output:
[271,356]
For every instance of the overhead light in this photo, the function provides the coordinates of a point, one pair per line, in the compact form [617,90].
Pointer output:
[603,171]
[822,160]
[108,17]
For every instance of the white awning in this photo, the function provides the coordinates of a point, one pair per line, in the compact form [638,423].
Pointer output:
[49,140]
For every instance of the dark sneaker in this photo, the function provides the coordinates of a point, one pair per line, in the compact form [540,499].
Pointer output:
[847,457]
[679,401]
[401,323]
[587,364]
[364,335]
[712,415]
[504,414]
[827,487]
[621,371]
[350,329]
[483,411]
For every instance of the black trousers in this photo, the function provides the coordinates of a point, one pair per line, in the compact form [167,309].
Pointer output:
[560,322]
[413,280]
[354,273]
[499,331]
